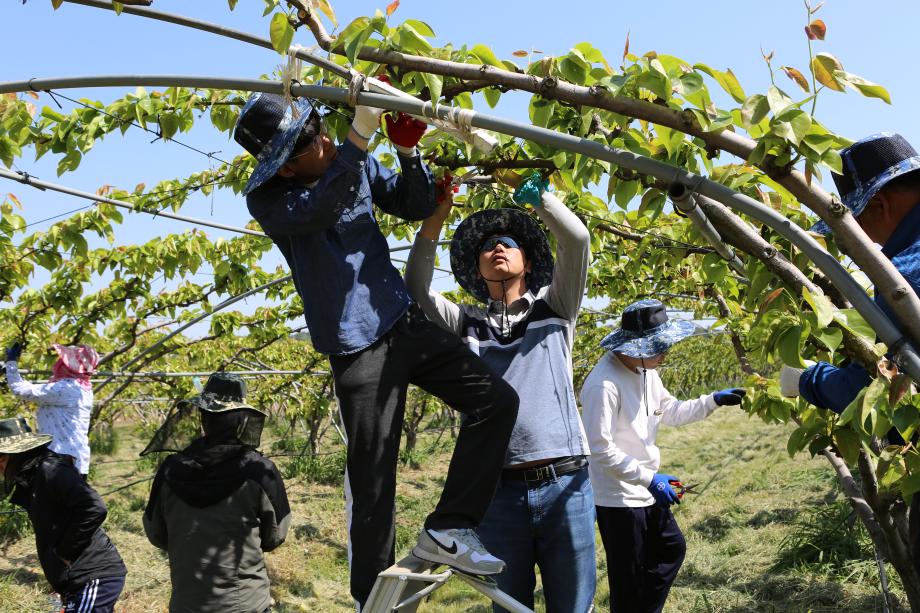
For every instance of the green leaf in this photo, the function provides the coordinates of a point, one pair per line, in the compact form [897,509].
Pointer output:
[434,83]
[625,192]
[573,70]
[792,125]
[821,305]
[823,66]
[421,27]
[777,100]
[905,419]
[866,88]
[491,94]
[830,338]
[412,40]
[848,444]
[726,79]
[541,111]
[798,439]
[486,56]
[281,32]
[910,485]
[754,110]
[790,347]
[689,84]
[854,322]
[354,36]
[832,160]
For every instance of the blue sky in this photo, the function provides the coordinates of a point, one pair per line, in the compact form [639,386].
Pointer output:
[876,44]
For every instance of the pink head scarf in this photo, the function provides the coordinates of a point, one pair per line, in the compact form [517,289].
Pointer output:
[75,362]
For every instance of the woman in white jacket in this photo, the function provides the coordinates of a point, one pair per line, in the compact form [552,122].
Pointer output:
[624,403]
[65,403]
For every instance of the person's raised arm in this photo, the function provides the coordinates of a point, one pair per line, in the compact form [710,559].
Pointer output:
[296,209]
[410,194]
[573,245]
[420,265]
[42,394]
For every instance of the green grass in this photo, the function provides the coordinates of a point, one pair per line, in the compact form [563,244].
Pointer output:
[766,532]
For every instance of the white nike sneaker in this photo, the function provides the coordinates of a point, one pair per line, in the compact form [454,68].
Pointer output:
[459,548]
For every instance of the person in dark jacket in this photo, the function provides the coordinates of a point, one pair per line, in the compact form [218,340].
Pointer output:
[216,506]
[316,202]
[880,185]
[78,559]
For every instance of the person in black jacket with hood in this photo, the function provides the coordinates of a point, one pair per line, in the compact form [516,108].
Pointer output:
[78,559]
[217,505]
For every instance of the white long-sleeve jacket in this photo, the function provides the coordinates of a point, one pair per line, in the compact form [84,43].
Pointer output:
[64,410]
[621,420]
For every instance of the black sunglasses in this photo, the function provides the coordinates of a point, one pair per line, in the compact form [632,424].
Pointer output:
[493,241]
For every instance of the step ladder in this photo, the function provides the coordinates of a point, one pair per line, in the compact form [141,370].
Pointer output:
[404,585]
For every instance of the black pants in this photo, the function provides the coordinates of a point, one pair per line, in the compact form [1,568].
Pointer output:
[371,387]
[645,549]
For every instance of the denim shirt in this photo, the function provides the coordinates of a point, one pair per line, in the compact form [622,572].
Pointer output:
[834,388]
[352,295]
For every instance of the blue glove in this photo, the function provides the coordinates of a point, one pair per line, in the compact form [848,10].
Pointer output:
[530,189]
[662,491]
[13,352]
[729,397]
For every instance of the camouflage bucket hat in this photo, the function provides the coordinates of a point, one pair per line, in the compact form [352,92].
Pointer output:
[868,165]
[472,231]
[268,129]
[645,331]
[16,436]
[222,392]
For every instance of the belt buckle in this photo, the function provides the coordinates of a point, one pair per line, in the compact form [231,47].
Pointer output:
[541,473]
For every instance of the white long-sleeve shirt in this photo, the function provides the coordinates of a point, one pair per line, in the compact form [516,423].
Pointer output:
[621,420]
[64,410]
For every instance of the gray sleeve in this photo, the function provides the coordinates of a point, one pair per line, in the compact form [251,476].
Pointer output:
[419,270]
[272,530]
[573,255]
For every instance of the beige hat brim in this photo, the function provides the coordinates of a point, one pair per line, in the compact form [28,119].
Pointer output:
[23,442]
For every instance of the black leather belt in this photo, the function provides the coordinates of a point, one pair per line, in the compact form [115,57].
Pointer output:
[544,473]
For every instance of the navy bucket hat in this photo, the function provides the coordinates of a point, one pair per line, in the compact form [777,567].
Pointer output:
[472,231]
[646,331]
[868,165]
[268,130]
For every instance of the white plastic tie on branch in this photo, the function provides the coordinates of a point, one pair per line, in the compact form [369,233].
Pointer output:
[355,86]
[290,75]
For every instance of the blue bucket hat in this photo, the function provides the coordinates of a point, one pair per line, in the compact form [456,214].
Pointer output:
[645,330]
[268,130]
[472,231]
[868,165]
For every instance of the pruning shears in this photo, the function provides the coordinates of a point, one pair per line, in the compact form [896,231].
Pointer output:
[683,489]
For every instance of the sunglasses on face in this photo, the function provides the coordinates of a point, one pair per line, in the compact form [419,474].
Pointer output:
[492,242]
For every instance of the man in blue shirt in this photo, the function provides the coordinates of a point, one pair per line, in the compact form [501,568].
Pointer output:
[881,187]
[315,201]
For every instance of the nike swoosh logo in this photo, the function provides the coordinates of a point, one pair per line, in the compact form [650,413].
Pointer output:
[451,550]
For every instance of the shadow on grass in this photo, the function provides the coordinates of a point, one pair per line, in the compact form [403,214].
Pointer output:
[786,592]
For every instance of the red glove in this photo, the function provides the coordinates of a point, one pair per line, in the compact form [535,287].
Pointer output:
[442,188]
[405,130]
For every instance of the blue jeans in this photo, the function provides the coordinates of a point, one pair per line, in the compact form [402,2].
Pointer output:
[549,524]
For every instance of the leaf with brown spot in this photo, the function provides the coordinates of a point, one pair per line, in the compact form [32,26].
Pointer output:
[766,56]
[392,6]
[139,188]
[104,190]
[816,30]
[34,95]
[15,200]
[797,76]
[520,53]
[626,47]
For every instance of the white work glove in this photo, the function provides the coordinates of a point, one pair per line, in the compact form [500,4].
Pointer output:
[366,122]
[789,380]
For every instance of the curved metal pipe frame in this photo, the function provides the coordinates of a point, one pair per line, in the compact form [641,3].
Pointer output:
[889,334]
